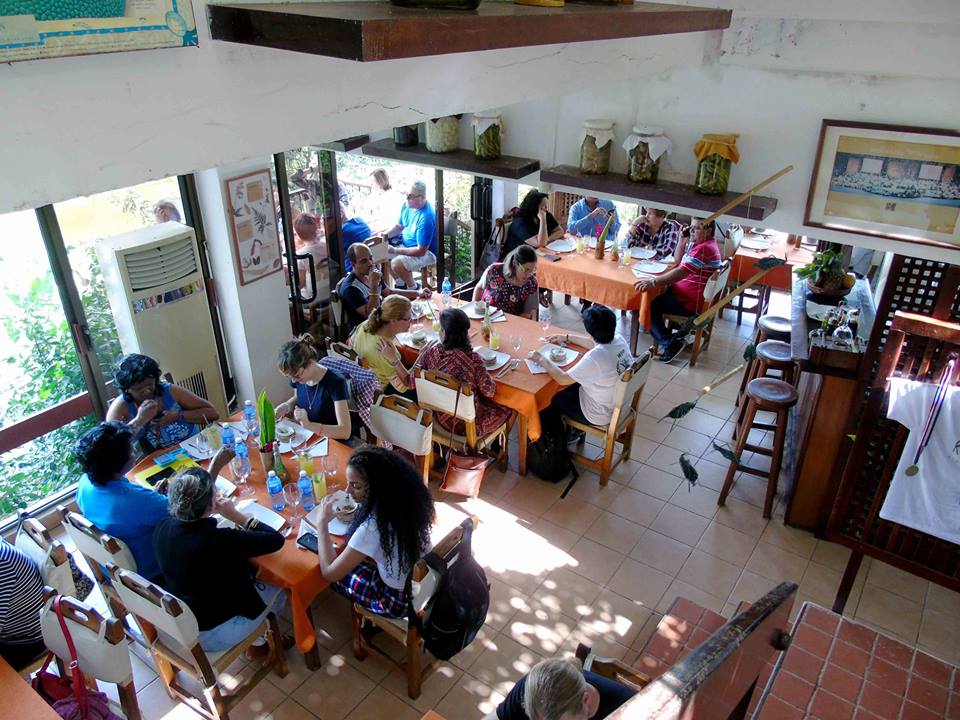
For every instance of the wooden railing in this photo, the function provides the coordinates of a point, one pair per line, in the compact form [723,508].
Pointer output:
[45,421]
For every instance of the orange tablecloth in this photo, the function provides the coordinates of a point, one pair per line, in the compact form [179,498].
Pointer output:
[780,277]
[19,699]
[292,568]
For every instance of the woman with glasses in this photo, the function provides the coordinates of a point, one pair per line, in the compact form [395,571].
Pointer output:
[389,533]
[320,394]
[512,284]
[374,340]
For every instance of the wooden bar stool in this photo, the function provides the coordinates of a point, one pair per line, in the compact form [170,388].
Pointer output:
[772,356]
[774,396]
[770,327]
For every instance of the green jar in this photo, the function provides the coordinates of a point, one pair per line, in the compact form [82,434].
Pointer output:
[487,130]
[642,168]
[713,174]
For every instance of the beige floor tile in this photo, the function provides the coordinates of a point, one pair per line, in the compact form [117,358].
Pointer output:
[260,703]
[891,611]
[710,573]
[588,487]
[334,690]
[297,670]
[331,617]
[641,449]
[677,393]
[156,704]
[637,507]
[594,561]
[716,406]
[652,428]
[615,532]
[537,625]
[749,588]
[438,682]
[373,669]
[505,600]
[470,700]
[776,563]
[942,600]
[656,408]
[380,704]
[661,552]
[496,484]
[485,640]
[646,632]
[695,377]
[681,525]
[501,666]
[940,634]
[797,541]
[711,474]
[663,371]
[598,641]
[727,544]
[678,588]
[655,482]
[687,441]
[667,459]
[572,514]
[621,619]
[533,495]
[750,489]
[622,474]
[567,593]
[559,537]
[290,709]
[639,582]
[698,499]
[897,581]
[741,516]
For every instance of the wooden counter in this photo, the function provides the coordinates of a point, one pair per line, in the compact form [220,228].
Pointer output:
[827,389]
[19,699]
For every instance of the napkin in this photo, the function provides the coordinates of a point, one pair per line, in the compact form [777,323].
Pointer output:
[320,449]
[533,367]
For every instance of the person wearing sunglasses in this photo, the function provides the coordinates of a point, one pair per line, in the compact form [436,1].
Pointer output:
[418,234]
[512,284]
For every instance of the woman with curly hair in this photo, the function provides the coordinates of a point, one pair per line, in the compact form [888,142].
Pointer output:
[389,533]
[159,413]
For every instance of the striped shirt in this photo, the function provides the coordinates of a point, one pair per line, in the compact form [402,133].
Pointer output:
[664,241]
[364,384]
[21,597]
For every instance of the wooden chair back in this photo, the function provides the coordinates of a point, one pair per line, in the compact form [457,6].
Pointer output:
[632,380]
[715,286]
[99,548]
[342,350]
[402,422]
[379,248]
[50,556]
[438,392]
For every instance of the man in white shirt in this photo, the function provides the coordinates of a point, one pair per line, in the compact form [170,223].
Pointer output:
[589,385]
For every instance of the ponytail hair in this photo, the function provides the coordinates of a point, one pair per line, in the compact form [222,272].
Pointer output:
[296,354]
[393,307]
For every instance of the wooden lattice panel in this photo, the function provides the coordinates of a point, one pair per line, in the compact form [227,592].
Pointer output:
[560,204]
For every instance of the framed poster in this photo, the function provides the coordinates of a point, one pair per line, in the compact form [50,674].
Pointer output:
[253,225]
[36,29]
[892,181]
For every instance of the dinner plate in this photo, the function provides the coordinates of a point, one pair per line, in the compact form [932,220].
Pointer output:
[300,436]
[261,513]
[755,243]
[649,267]
[592,242]
[638,253]
[562,245]
[471,310]
[195,450]
[569,354]
[405,338]
[499,360]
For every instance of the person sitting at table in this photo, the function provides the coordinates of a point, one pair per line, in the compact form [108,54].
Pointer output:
[511,285]
[654,231]
[320,395]
[116,505]
[21,597]
[209,567]
[454,356]
[386,202]
[533,225]
[374,340]
[418,236]
[389,533]
[589,385]
[558,689]
[353,230]
[685,284]
[361,289]
[588,216]
[160,414]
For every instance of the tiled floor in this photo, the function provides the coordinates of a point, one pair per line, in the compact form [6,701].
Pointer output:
[601,566]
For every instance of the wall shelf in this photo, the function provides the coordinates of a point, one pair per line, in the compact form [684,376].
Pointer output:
[368,31]
[506,167]
[345,144]
[662,193]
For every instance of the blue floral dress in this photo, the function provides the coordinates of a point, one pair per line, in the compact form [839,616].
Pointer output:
[164,435]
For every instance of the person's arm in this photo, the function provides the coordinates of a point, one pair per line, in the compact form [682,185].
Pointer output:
[667,278]
[584,341]
[615,226]
[340,431]
[485,383]
[285,408]
[579,221]
[531,306]
[423,235]
[251,538]
[541,238]
[145,413]
[481,285]
[557,231]
[333,567]
[556,373]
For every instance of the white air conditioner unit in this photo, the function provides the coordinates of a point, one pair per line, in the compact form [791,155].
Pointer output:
[155,285]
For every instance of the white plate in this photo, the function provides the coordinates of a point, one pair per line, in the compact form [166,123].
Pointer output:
[818,312]
[336,526]
[638,253]
[592,242]
[300,436]
[569,354]
[471,310]
[755,244]
[562,245]
[224,486]
[194,450]
[264,515]
[499,360]
[404,338]
[649,267]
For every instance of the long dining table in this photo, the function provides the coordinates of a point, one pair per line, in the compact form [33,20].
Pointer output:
[292,568]
[20,700]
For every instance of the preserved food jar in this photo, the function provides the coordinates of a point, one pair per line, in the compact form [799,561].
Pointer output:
[715,157]
[595,147]
[406,135]
[442,134]
[645,146]
[487,130]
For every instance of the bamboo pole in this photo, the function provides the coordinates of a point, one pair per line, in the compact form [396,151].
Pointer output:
[744,195]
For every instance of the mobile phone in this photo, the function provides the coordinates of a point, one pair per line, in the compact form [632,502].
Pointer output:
[164,474]
[551,258]
[308,541]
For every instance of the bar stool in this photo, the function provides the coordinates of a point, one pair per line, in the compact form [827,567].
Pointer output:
[770,327]
[772,355]
[771,395]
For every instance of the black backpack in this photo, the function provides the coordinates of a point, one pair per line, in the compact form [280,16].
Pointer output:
[458,608]
[548,458]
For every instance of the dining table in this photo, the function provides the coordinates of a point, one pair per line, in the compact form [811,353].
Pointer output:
[292,568]
[20,700]
[779,245]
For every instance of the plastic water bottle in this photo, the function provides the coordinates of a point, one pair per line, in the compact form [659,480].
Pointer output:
[306,491]
[250,421]
[275,489]
[227,436]
[446,290]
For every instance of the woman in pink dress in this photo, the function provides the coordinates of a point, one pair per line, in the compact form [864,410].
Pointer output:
[454,356]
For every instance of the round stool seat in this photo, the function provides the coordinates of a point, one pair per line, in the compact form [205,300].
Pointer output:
[775,353]
[772,394]
[774,327]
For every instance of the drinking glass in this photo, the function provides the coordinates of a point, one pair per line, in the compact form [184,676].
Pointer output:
[329,465]
[494,340]
[202,443]
[545,320]
[515,342]
[241,471]
[292,494]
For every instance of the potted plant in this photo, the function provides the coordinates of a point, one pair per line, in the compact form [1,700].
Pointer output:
[826,275]
[268,429]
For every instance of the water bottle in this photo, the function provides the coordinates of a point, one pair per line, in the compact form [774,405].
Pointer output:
[446,290]
[306,491]
[250,421]
[227,436]
[275,489]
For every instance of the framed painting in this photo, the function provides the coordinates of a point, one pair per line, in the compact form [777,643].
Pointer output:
[253,227]
[891,181]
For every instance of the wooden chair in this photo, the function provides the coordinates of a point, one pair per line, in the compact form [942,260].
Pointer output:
[173,636]
[713,292]
[404,424]
[424,584]
[344,351]
[611,668]
[101,645]
[437,391]
[50,556]
[620,428]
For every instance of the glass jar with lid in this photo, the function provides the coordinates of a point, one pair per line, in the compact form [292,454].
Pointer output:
[645,146]
[595,144]
[715,157]
[487,131]
[442,134]
[406,135]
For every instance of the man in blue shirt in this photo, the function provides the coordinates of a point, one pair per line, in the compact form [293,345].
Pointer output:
[418,231]
[588,215]
[354,230]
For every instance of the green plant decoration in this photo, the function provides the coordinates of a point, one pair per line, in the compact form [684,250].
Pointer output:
[825,271]
[268,422]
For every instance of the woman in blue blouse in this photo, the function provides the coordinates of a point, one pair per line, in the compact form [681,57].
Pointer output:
[320,395]
[159,413]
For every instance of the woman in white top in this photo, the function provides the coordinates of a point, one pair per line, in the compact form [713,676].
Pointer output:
[589,385]
[390,531]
